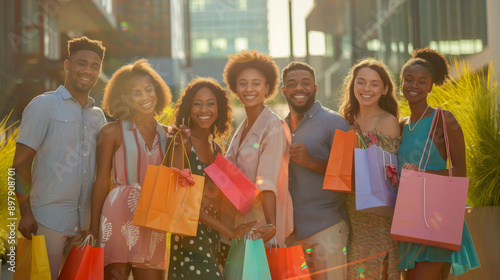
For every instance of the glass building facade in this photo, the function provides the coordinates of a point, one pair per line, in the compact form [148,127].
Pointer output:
[220,27]
[390,29]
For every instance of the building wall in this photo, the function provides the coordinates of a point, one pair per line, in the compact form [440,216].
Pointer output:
[221,27]
[390,29]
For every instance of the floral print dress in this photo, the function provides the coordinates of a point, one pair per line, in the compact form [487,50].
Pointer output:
[370,243]
[124,242]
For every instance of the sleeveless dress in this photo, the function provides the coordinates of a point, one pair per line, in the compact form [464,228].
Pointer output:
[410,151]
[370,242]
[196,257]
[124,242]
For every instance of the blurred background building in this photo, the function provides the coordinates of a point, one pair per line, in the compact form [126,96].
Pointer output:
[390,29]
[186,38]
[221,27]
[35,32]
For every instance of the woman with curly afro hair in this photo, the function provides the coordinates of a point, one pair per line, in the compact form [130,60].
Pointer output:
[428,68]
[204,107]
[260,146]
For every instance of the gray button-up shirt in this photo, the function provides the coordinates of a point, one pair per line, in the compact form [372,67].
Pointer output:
[64,136]
[315,209]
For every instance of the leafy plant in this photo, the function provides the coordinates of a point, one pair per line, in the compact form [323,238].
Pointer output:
[474,101]
[8,135]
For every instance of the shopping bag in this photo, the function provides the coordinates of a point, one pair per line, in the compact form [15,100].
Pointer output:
[374,191]
[287,262]
[339,171]
[32,259]
[235,185]
[84,262]
[167,201]
[246,260]
[430,208]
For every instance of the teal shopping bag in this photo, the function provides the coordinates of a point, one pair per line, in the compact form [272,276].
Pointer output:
[247,260]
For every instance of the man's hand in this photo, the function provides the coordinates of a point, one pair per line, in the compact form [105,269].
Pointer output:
[265,232]
[300,155]
[27,225]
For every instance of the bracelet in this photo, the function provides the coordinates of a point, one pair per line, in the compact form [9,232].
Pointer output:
[271,225]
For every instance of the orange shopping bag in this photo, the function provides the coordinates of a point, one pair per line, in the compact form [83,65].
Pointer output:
[32,259]
[84,262]
[170,199]
[339,174]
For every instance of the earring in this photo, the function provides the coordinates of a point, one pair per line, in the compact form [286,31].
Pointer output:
[189,118]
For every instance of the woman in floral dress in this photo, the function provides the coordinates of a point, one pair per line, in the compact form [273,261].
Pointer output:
[134,95]
[370,106]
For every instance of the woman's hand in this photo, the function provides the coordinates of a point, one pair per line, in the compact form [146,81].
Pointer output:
[185,132]
[242,229]
[88,232]
[265,232]
[410,166]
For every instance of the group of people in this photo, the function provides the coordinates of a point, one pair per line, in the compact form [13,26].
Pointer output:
[67,155]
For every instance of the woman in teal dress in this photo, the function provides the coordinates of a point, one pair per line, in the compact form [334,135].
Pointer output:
[204,107]
[425,69]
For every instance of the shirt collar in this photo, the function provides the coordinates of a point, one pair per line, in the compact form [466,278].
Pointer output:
[315,108]
[65,94]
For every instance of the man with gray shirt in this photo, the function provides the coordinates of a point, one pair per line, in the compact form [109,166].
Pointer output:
[318,219]
[56,153]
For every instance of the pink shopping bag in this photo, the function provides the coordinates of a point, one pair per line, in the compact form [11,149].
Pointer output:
[235,185]
[430,208]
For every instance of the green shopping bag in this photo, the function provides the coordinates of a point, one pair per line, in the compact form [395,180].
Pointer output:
[247,260]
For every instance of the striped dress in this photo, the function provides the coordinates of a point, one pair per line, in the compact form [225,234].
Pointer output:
[124,242]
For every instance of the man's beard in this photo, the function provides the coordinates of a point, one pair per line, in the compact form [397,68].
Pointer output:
[304,108]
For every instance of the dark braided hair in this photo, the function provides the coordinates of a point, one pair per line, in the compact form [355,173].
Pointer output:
[433,61]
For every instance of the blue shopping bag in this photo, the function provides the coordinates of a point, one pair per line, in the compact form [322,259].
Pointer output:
[374,191]
[247,260]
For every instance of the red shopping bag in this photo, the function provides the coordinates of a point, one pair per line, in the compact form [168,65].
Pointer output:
[84,263]
[287,262]
[339,174]
[430,208]
[235,185]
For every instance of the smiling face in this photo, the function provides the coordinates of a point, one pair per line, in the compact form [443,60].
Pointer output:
[251,87]
[299,90]
[141,95]
[82,71]
[368,87]
[204,108]
[417,83]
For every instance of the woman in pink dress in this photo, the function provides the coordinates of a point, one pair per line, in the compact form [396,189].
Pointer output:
[134,95]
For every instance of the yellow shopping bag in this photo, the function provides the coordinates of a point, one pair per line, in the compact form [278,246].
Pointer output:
[32,259]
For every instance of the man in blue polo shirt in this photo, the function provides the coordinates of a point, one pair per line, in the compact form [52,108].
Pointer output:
[56,154]
[318,214]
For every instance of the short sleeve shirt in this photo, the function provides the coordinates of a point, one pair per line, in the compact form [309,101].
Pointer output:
[64,135]
[315,209]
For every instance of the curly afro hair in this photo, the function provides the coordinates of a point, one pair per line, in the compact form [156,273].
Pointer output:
[114,102]
[222,126]
[252,59]
[433,61]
